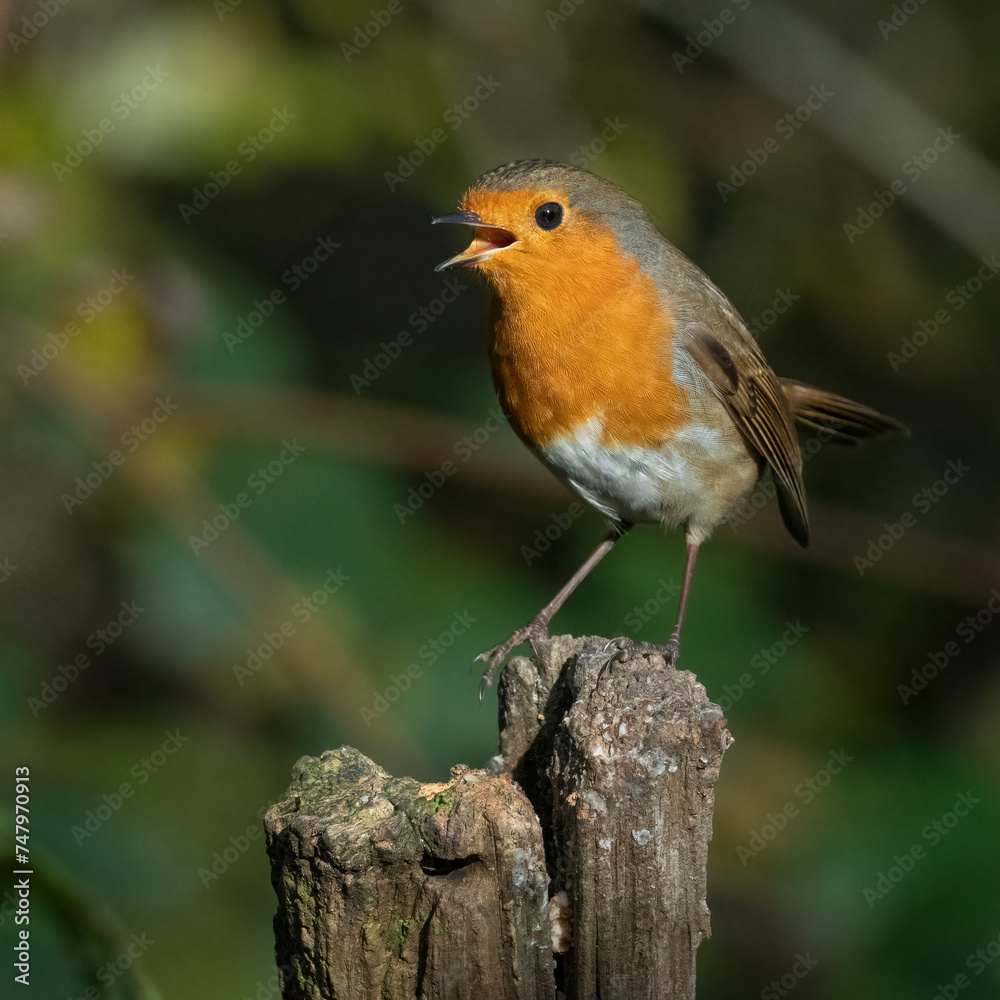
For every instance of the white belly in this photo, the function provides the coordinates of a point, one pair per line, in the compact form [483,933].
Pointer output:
[693,479]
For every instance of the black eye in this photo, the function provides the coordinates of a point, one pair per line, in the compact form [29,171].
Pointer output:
[549,215]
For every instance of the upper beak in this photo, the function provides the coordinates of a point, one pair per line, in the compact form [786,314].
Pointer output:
[487,240]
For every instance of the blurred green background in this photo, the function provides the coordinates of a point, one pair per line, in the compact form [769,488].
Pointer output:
[229,368]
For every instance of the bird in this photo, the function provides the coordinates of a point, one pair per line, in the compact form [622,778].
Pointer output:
[628,373]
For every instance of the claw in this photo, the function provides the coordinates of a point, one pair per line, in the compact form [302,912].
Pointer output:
[489,658]
[626,648]
[494,658]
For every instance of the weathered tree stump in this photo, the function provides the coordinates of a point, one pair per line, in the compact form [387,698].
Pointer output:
[574,867]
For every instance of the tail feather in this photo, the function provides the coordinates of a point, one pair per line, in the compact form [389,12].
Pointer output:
[846,421]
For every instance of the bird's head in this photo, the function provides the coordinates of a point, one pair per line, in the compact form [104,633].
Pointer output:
[538,221]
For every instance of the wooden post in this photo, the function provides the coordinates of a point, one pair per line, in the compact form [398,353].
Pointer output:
[575,864]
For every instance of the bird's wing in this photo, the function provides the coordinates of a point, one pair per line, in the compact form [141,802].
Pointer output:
[755,400]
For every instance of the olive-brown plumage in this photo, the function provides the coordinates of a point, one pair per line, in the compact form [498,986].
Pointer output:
[626,371]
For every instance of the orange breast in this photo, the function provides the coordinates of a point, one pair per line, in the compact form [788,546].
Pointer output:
[578,334]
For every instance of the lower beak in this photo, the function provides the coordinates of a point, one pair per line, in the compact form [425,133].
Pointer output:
[486,241]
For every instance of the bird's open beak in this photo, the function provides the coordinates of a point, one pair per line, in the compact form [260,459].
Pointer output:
[486,241]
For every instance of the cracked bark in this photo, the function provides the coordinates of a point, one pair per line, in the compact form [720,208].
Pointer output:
[575,867]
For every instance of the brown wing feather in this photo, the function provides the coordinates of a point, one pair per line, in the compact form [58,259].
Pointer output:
[756,401]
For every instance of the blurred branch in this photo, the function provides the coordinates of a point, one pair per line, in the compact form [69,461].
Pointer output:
[369,431]
[875,121]
[414,440]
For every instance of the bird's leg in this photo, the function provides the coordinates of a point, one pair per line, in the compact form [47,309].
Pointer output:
[539,627]
[674,645]
[626,647]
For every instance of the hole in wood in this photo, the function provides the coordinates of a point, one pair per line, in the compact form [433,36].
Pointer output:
[445,866]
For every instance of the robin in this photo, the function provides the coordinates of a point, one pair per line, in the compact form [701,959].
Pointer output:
[627,372]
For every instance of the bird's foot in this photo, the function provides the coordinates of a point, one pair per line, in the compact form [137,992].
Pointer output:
[494,658]
[626,649]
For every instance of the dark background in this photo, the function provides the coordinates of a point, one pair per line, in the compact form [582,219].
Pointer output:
[666,105]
